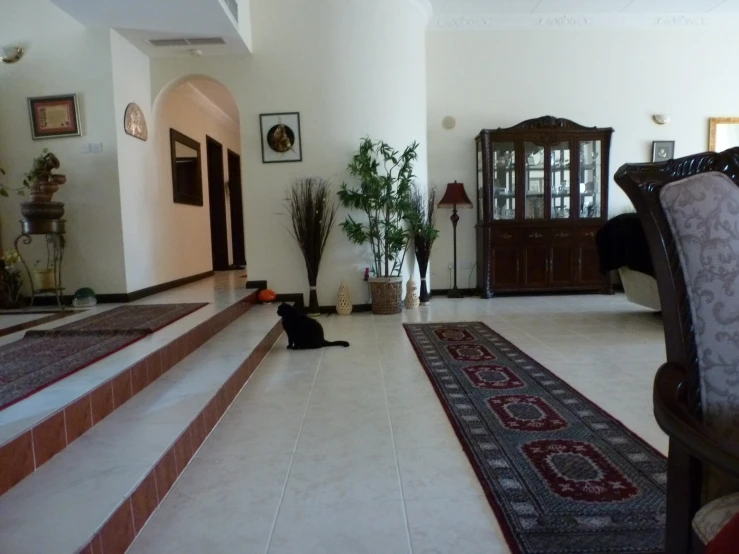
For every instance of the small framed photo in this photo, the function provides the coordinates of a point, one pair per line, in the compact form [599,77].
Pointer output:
[663,150]
[54,116]
[281,137]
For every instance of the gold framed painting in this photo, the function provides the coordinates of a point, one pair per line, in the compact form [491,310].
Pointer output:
[54,116]
[723,133]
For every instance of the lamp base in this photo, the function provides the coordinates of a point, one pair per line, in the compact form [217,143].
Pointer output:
[454,293]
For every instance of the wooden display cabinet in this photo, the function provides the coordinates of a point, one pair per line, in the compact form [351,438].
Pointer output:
[542,194]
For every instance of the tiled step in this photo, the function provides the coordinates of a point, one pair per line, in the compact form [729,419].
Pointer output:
[39,427]
[96,495]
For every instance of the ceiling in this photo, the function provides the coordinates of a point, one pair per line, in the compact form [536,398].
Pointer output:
[572,13]
[142,20]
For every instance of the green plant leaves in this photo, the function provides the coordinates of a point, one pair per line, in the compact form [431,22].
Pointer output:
[383,194]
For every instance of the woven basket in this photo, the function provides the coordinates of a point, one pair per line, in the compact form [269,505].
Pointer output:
[387,295]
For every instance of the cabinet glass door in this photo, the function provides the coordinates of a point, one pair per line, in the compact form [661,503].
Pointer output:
[534,208]
[588,193]
[480,206]
[504,180]
[560,180]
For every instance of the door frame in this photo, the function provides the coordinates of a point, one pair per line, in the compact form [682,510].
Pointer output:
[236,201]
[217,205]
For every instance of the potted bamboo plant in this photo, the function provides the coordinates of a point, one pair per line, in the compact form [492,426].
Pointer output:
[312,215]
[423,229]
[383,195]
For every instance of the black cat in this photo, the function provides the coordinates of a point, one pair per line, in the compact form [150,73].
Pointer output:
[303,333]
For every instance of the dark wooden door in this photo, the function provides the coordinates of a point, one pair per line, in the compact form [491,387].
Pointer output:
[562,266]
[237,209]
[536,267]
[217,198]
[589,266]
[506,267]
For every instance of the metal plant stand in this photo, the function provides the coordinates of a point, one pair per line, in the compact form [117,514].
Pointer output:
[53,232]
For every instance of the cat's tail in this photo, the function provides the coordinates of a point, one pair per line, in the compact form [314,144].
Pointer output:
[336,343]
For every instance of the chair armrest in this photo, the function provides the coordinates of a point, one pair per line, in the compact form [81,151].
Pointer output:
[674,418]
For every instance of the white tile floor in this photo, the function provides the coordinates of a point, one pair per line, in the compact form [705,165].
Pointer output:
[348,451]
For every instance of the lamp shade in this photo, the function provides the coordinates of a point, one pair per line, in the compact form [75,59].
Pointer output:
[455,197]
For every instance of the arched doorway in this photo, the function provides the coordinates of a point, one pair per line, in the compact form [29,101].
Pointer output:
[202,113]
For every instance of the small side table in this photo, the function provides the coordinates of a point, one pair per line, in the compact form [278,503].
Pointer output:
[53,231]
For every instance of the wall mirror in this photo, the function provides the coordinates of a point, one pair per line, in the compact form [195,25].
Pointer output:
[723,133]
[187,175]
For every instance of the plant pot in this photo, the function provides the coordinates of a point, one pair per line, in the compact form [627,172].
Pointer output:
[387,295]
[40,197]
[43,279]
[42,210]
[48,188]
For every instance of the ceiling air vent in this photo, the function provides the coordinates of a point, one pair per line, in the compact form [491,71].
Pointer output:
[168,42]
[205,41]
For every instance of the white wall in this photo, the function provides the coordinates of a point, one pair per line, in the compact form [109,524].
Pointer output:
[63,57]
[352,69]
[610,78]
[178,235]
[136,165]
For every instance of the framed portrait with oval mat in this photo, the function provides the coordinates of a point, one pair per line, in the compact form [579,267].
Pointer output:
[281,137]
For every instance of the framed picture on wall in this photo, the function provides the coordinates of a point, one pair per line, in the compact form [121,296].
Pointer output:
[54,116]
[281,137]
[663,150]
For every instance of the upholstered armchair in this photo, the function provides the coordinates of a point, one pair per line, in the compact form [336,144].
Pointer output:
[690,211]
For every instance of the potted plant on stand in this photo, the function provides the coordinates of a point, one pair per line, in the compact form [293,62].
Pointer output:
[42,183]
[312,214]
[383,194]
[43,277]
[423,229]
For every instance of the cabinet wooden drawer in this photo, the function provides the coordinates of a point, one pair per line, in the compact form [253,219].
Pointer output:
[536,235]
[505,236]
[563,235]
[587,234]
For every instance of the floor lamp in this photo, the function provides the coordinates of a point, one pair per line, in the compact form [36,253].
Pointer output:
[455,197]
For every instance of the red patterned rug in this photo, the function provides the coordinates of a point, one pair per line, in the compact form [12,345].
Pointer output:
[562,476]
[43,357]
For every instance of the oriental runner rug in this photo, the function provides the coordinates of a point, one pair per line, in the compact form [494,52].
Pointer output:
[43,357]
[561,475]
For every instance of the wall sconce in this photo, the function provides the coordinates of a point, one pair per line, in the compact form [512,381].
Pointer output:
[11,54]
[662,119]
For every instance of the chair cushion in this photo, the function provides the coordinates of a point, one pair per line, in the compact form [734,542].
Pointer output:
[712,517]
[703,214]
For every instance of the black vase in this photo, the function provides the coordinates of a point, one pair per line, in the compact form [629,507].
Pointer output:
[424,297]
[313,307]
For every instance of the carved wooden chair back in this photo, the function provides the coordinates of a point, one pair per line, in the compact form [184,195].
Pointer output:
[689,208]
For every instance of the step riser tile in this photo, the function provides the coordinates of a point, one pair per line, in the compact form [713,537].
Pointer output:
[119,531]
[16,459]
[80,416]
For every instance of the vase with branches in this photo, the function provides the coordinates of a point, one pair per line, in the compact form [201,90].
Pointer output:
[312,215]
[383,194]
[423,229]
